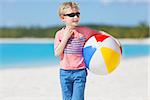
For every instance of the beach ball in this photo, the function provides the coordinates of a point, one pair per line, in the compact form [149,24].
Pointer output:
[102,54]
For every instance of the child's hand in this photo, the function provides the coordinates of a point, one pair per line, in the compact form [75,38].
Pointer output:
[68,33]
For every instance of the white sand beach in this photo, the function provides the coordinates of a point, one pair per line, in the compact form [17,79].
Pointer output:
[128,82]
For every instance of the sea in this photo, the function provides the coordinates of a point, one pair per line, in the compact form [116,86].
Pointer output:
[24,55]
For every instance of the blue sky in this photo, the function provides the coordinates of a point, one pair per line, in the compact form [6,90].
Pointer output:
[44,12]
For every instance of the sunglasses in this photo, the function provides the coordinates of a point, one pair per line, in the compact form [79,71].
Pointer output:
[73,14]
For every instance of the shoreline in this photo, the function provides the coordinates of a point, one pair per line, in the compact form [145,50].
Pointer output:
[26,40]
[51,40]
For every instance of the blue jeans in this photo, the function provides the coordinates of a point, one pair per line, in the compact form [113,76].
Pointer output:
[73,84]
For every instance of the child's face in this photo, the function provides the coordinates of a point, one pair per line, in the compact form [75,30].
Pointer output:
[71,17]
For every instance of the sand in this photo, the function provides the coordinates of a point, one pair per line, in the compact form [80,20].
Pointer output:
[128,82]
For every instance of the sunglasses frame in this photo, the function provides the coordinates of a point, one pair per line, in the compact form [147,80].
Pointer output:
[73,14]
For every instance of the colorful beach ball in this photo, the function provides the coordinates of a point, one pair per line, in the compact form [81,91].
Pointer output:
[102,54]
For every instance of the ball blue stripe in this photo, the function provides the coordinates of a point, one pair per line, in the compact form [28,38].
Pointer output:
[87,54]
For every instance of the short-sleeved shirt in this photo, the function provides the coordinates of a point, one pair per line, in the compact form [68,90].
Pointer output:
[72,58]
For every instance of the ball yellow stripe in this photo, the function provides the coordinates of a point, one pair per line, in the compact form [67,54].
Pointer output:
[111,58]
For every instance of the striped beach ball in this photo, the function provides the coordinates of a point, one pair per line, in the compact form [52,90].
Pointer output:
[102,54]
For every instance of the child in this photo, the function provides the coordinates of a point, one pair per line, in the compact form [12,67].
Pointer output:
[68,45]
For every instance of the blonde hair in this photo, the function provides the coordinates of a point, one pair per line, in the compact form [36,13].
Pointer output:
[67,5]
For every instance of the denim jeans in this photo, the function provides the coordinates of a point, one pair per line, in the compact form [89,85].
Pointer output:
[73,84]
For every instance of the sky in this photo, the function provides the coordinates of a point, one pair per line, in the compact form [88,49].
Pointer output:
[44,13]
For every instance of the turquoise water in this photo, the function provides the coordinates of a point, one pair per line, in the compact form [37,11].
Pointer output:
[24,55]
[135,50]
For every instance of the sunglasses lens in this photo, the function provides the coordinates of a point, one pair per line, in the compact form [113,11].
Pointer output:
[71,15]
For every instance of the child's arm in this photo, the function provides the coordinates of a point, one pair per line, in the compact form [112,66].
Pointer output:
[60,48]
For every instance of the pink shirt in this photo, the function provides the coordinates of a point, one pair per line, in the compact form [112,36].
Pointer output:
[72,58]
